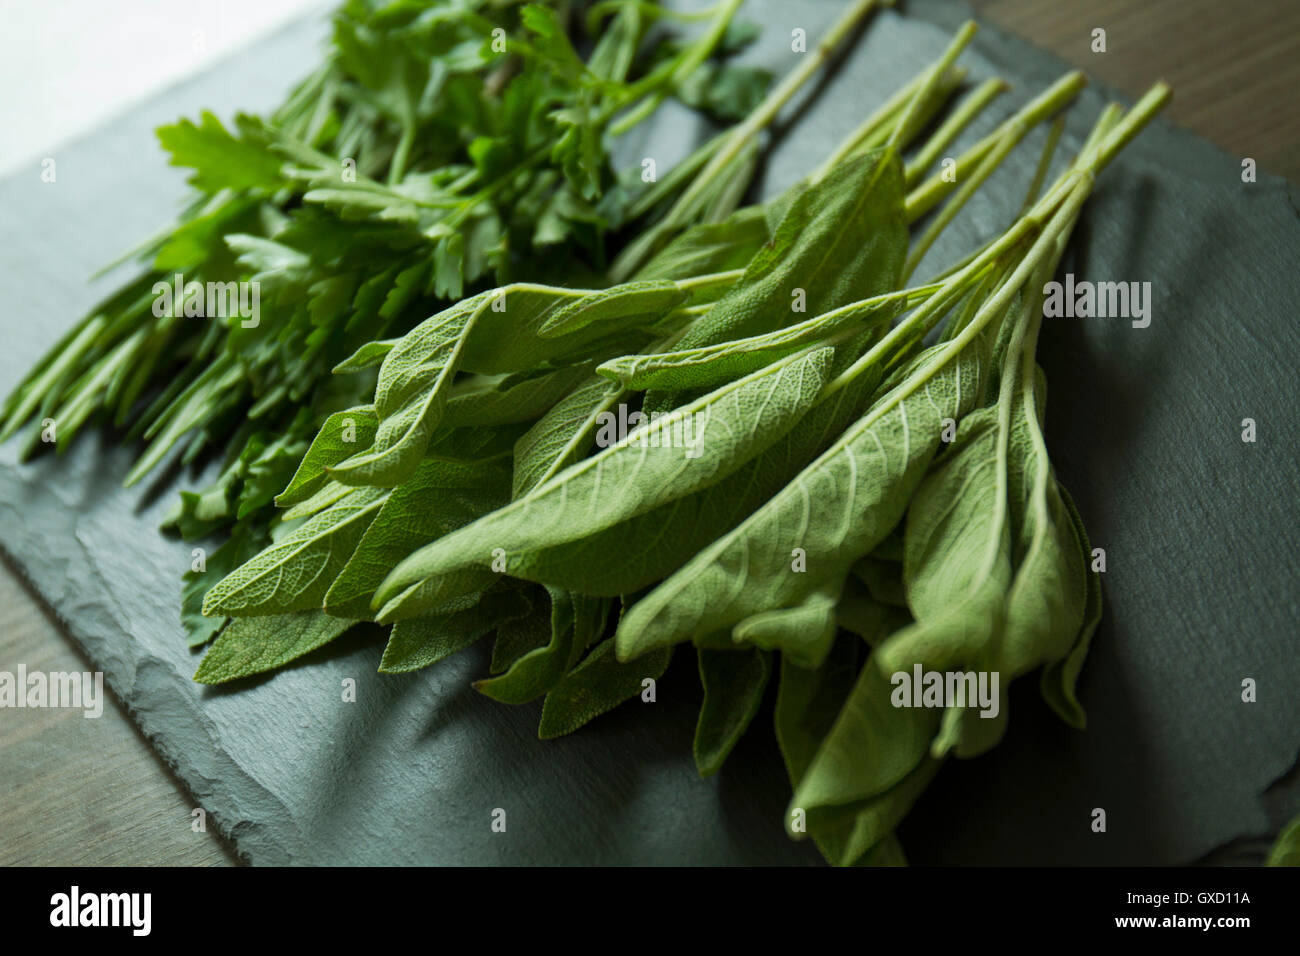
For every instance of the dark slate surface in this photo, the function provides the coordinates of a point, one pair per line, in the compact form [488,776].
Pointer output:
[1144,427]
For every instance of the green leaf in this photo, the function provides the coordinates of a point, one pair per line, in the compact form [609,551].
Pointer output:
[803,633]
[809,699]
[294,573]
[550,42]
[839,242]
[494,402]
[1286,851]
[441,496]
[628,304]
[647,553]
[421,641]
[869,768]
[491,333]
[809,703]
[562,435]
[575,622]
[521,636]
[341,435]
[958,569]
[1049,596]
[727,91]
[238,548]
[367,356]
[734,682]
[861,833]
[712,365]
[255,645]
[1060,677]
[268,467]
[410,395]
[220,160]
[597,685]
[711,247]
[836,510]
[957,560]
[730,425]
[329,495]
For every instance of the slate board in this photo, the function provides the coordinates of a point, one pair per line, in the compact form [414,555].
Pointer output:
[1144,427]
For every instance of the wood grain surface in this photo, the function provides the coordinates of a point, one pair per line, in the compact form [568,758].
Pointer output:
[1234,67]
[79,792]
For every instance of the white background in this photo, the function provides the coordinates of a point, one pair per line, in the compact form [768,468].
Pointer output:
[68,66]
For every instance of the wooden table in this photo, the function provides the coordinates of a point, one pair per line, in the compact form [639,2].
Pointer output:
[1234,67]
[77,791]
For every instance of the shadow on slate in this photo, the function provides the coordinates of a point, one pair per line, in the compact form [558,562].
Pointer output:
[1144,427]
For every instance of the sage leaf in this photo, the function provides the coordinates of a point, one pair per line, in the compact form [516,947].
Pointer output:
[562,435]
[251,646]
[860,833]
[490,402]
[1060,677]
[597,685]
[712,365]
[294,573]
[711,248]
[342,434]
[803,633]
[329,494]
[841,242]
[957,558]
[522,635]
[809,701]
[410,395]
[636,303]
[734,682]
[575,621]
[494,332]
[423,641]
[654,544]
[237,549]
[834,511]
[441,496]
[367,356]
[851,786]
[730,425]
[1048,597]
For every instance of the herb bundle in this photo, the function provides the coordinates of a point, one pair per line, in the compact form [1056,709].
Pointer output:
[748,433]
[787,490]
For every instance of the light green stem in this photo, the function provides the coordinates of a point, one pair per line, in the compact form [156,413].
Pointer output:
[963,116]
[926,196]
[905,125]
[767,110]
